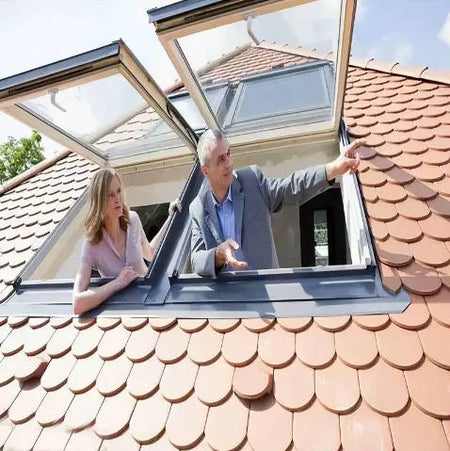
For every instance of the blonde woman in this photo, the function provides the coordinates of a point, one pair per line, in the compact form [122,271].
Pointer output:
[115,243]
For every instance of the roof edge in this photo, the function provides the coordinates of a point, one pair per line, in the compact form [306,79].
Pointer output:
[19,179]
[394,68]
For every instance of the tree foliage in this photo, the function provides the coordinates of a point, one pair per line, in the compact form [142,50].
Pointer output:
[17,156]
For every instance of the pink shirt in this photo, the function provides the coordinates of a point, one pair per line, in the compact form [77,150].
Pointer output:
[104,257]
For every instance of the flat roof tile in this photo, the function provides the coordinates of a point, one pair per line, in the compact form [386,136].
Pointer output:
[415,317]
[144,377]
[382,211]
[404,229]
[178,379]
[239,346]
[269,425]
[315,346]
[114,415]
[149,419]
[276,346]
[393,252]
[113,343]
[399,347]
[83,410]
[430,252]
[388,398]
[160,324]
[205,345]
[27,401]
[132,324]
[8,393]
[61,341]
[294,324]
[172,345]
[253,381]
[225,324]
[436,226]
[316,428]
[84,374]
[390,278]
[23,436]
[57,372]
[214,382]
[113,375]
[141,343]
[294,386]
[54,406]
[439,306]
[365,429]
[191,325]
[53,437]
[86,342]
[435,339]
[364,354]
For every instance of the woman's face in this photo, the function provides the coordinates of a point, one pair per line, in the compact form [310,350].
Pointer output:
[115,202]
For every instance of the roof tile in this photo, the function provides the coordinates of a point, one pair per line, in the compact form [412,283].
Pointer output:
[61,341]
[389,398]
[399,347]
[337,387]
[332,323]
[132,324]
[113,375]
[415,316]
[86,342]
[226,425]
[8,394]
[114,415]
[204,346]
[435,339]
[294,324]
[316,429]
[144,378]
[419,279]
[371,322]
[357,357]
[27,402]
[83,410]
[54,437]
[315,347]
[412,208]
[84,374]
[23,436]
[393,252]
[436,226]
[214,382]
[186,423]
[113,343]
[294,386]
[430,252]
[253,381]
[439,306]
[224,325]
[269,425]
[365,429]
[155,408]
[172,345]
[276,347]
[141,343]
[404,229]
[239,346]
[54,407]
[178,379]
[416,430]
[57,372]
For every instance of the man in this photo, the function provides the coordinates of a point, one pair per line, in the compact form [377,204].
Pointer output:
[231,224]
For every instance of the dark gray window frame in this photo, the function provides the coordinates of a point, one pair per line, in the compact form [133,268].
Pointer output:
[303,116]
[285,292]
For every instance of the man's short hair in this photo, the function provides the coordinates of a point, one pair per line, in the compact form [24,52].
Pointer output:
[204,144]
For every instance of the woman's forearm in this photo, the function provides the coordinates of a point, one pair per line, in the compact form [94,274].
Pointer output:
[91,298]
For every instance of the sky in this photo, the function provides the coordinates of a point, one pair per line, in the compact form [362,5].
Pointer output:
[34,33]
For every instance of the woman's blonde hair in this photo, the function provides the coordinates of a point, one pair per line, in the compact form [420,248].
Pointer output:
[98,199]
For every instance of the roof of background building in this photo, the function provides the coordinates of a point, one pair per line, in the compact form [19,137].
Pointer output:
[365,382]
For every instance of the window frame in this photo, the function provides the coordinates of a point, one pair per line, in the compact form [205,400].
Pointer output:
[188,17]
[112,59]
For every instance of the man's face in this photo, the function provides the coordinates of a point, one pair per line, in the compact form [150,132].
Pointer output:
[219,169]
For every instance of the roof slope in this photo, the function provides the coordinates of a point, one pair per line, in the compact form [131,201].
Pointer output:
[365,382]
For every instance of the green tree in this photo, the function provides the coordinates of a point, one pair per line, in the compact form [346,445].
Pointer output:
[17,156]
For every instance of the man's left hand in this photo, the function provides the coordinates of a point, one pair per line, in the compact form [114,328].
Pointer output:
[349,160]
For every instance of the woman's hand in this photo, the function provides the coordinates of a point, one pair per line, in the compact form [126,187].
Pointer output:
[174,206]
[126,276]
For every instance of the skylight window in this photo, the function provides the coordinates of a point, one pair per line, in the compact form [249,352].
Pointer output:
[200,38]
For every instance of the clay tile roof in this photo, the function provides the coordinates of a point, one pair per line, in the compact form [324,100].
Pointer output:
[357,382]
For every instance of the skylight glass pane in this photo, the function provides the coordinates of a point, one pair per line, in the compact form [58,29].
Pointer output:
[292,38]
[108,114]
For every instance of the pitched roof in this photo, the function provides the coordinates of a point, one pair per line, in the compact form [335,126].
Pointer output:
[356,382]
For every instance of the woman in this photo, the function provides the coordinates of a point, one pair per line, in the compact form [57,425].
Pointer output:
[115,243]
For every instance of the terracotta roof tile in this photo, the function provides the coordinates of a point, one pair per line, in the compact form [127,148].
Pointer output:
[156,408]
[239,346]
[434,339]
[83,410]
[214,382]
[54,406]
[141,343]
[144,378]
[315,347]
[204,346]
[186,423]
[294,386]
[172,345]
[84,374]
[365,429]
[269,425]
[113,343]
[23,436]
[113,375]
[316,429]
[57,372]
[178,379]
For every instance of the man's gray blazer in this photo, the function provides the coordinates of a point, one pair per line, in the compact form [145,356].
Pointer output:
[254,198]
